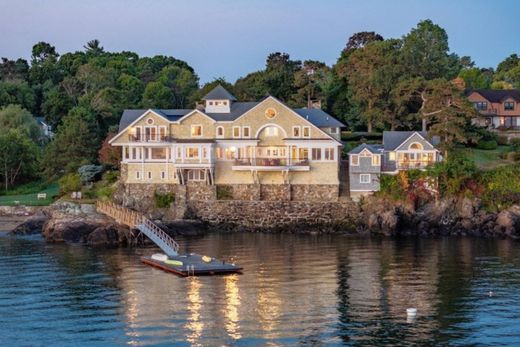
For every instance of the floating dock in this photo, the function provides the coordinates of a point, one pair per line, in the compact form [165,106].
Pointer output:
[193,265]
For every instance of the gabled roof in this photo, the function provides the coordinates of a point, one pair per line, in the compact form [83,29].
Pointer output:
[497,95]
[393,139]
[129,116]
[374,149]
[319,118]
[219,93]
[237,109]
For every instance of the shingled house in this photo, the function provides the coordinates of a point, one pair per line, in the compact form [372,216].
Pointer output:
[498,108]
[227,142]
[401,150]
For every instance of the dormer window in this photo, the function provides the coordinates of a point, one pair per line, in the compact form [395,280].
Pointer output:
[218,100]
[509,105]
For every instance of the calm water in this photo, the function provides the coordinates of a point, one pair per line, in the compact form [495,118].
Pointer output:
[296,290]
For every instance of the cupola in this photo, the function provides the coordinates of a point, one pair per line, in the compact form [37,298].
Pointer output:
[218,100]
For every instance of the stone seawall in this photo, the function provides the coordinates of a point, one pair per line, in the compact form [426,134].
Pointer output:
[293,216]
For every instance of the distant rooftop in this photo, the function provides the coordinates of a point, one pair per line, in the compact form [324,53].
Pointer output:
[497,95]
[219,93]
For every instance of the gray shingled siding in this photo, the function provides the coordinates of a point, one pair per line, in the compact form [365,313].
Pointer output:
[355,183]
[415,138]
[365,165]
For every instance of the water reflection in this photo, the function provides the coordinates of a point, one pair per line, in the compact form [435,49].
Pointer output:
[296,290]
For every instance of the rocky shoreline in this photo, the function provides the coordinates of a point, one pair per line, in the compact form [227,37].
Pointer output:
[80,223]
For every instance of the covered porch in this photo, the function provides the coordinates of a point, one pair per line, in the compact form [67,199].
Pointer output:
[415,160]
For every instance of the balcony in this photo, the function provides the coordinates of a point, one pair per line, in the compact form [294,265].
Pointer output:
[150,138]
[271,164]
[414,164]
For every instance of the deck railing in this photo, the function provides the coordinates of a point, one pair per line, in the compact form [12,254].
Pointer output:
[136,220]
[271,162]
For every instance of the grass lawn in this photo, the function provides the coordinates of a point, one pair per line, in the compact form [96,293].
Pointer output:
[29,197]
[486,159]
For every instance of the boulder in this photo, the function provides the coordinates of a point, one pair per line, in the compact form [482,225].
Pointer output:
[33,225]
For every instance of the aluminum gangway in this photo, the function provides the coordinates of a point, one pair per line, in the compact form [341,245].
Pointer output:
[136,220]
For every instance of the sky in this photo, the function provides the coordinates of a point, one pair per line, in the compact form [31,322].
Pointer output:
[230,38]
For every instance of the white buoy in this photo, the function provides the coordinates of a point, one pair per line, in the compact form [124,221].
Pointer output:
[491,293]
[412,311]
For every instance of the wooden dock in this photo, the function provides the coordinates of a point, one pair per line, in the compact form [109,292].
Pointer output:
[193,265]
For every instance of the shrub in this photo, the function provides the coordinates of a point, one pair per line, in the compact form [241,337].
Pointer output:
[224,192]
[111,176]
[501,191]
[89,173]
[513,156]
[515,144]
[163,200]
[502,140]
[392,187]
[487,144]
[70,183]
[105,192]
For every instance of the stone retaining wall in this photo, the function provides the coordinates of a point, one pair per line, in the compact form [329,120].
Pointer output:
[294,216]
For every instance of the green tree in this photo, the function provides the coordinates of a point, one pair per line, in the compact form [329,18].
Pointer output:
[14,117]
[310,82]
[476,78]
[17,92]
[18,157]
[56,105]
[11,70]
[425,53]
[182,83]
[279,75]
[157,95]
[93,47]
[76,143]
[373,72]
[251,87]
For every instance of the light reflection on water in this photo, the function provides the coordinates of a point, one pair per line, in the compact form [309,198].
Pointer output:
[296,290]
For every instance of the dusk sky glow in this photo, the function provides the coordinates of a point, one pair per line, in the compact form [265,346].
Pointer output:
[231,38]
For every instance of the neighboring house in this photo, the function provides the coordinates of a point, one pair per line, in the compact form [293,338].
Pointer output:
[45,128]
[401,150]
[231,143]
[498,109]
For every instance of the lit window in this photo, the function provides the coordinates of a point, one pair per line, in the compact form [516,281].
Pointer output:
[230,153]
[364,178]
[391,155]
[416,146]
[270,113]
[236,131]
[196,130]
[271,131]
[158,153]
[376,160]
[306,132]
[220,131]
[218,153]
[316,154]
[192,152]
[354,159]
[246,132]
[304,153]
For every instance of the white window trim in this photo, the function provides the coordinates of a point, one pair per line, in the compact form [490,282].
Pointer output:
[303,132]
[239,132]
[374,156]
[299,131]
[187,152]
[415,149]
[365,175]
[223,132]
[159,131]
[249,132]
[351,162]
[201,130]
[334,131]
[150,127]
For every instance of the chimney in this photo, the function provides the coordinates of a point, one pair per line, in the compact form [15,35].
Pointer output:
[315,103]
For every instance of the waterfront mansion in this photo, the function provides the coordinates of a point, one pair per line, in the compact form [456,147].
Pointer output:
[227,142]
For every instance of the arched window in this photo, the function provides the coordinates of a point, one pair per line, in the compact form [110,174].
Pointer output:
[220,131]
[415,146]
